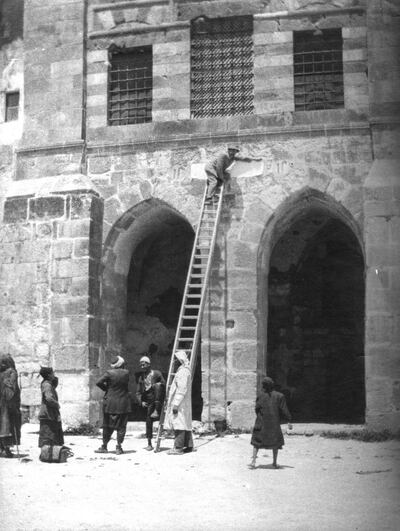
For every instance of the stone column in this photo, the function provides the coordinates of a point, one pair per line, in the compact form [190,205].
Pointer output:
[53,229]
[382,240]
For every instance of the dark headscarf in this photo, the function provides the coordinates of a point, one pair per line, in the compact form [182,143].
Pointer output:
[47,373]
[268,384]
[6,362]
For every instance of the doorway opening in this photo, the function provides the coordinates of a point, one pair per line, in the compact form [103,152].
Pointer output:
[151,255]
[315,331]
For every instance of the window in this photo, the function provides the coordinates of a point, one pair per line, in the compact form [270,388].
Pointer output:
[130,86]
[221,66]
[12,106]
[318,69]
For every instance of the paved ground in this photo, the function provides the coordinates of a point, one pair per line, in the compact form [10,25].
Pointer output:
[323,484]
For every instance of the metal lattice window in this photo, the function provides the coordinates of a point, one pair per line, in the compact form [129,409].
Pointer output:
[222,67]
[130,86]
[318,70]
[12,106]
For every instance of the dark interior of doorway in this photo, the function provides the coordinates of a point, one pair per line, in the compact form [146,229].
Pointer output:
[155,287]
[316,321]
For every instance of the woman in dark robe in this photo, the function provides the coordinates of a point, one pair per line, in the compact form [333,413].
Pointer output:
[50,431]
[10,401]
[271,410]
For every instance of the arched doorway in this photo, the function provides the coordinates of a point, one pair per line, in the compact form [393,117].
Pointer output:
[315,324]
[147,256]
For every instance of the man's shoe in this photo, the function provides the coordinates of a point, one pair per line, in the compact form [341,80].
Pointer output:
[101,450]
[119,450]
[149,448]
[175,451]
[8,452]
[188,450]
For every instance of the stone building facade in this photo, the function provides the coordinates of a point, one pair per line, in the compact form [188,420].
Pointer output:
[98,217]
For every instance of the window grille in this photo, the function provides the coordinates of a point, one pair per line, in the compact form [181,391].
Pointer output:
[318,69]
[130,86]
[222,67]
[12,106]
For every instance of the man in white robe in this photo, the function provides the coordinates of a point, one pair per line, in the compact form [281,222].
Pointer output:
[179,408]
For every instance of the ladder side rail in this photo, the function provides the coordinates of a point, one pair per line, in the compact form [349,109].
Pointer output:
[205,284]
[181,313]
[182,309]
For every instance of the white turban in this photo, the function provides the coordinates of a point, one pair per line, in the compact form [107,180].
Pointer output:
[117,362]
[182,357]
[144,358]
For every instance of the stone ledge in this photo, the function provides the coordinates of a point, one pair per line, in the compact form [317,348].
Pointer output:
[45,186]
[300,13]
[146,28]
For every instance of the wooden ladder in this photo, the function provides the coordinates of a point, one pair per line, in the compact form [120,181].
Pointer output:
[190,316]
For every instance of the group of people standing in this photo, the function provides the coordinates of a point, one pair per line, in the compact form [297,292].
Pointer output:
[150,395]
[50,431]
[270,408]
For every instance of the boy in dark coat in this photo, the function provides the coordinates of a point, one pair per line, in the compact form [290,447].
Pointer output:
[50,431]
[150,395]
[10,415]
[116,403]
[271,410]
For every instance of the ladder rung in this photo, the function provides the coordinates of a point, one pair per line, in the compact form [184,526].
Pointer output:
[192,306]
[187,328]
[197,275]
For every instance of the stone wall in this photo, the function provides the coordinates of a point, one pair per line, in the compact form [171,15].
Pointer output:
[51,244]
[66,261]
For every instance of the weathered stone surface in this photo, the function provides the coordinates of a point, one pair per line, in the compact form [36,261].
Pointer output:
[15,210]
[47,207]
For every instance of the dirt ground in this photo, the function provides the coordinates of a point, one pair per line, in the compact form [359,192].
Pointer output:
[323,484]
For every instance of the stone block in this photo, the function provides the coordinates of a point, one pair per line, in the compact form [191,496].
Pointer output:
[76,228]
[15,210]
[33,251]
[46,207]
[378,394]
[383,362]
[61,285]
[69,330]
[81,247]
[80,206]
[243,355]
[381,328]
[244,255]
[377,278]
[65,305]
[381,255]
[239,385]
[242,298]
[241,413]
[394,229]
[62,249]
[99,164]
[382,208]
[380,421]
[377,231]
[71,357]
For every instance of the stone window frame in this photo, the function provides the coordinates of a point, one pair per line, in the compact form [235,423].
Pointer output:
[10,109]
[325,69]
[134,95]
[203,81]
